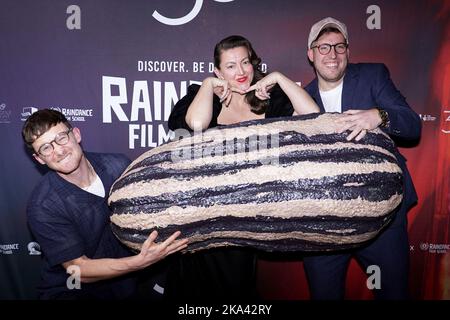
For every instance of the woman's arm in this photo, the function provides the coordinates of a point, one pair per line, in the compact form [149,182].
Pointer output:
[200,111]
[177,118]
[300,99]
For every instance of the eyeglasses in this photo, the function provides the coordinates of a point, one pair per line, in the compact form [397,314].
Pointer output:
[60,139]
[325,48]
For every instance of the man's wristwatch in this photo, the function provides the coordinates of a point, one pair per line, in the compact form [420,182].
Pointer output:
[384,118]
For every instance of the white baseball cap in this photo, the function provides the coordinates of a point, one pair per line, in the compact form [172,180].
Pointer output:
[327,22]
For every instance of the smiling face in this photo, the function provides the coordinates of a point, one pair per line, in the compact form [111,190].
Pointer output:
[235,67]
[65,159]
[331,67]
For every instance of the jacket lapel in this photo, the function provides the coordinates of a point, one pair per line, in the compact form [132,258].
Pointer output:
[315,94]
[349,87]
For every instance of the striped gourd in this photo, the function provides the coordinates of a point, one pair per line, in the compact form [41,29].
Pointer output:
[282,184]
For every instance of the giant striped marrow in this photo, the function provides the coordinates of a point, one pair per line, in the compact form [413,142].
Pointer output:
[285,184]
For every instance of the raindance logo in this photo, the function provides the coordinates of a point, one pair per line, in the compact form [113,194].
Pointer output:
[9,248]
[435,247]
[26,112]
[34,249]
[4,114]
[74,114]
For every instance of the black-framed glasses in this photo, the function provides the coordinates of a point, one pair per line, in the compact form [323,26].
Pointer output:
[325,48]
[60,139]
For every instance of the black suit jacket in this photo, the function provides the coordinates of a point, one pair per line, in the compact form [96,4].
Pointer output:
[368,85]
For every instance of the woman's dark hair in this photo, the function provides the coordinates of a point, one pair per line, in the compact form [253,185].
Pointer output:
[40,122]
[257,106]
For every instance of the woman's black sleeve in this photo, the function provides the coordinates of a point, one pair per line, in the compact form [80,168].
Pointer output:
[279,105]
[177,118]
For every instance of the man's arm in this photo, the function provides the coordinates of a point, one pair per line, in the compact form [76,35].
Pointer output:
[400,119]
[92,270]
[403,121]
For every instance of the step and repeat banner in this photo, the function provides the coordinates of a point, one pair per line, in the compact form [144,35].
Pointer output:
[116,68]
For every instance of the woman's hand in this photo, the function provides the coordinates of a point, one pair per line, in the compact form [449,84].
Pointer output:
[224,90]
[200,111]
[300,99]
[264,85]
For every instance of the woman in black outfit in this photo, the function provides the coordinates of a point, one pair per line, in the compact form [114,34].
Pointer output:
[240,91]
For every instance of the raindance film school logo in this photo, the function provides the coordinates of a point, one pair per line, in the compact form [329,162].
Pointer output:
[4,113]
[435,247]
[75,114]
[34,249]
[26,112]
[9,248]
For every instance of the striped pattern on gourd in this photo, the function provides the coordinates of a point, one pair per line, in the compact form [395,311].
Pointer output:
[283,184]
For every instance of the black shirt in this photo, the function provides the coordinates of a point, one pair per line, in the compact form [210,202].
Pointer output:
[279,106]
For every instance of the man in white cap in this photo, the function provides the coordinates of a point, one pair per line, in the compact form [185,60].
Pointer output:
[368,99]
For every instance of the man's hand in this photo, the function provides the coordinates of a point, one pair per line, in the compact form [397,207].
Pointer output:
[152,252]
[92,270]
[359,122]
